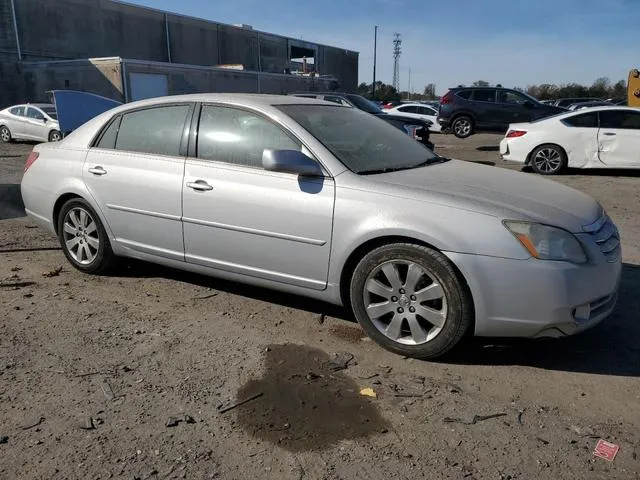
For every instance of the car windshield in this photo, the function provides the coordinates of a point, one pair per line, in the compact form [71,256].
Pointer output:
[364,143]
[51,111]
[364,104]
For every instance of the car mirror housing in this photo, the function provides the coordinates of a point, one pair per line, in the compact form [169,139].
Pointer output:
[290,161]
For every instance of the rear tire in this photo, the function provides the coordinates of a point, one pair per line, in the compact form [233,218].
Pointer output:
[5,134]
[548,159]
[83,238]
[411,300]
[55,136]
[462,126]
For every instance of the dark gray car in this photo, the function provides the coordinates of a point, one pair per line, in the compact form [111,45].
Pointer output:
[465,111]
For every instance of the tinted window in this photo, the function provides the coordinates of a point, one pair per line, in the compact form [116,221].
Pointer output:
[34,114]
[108,138]
[408,109]
[364,104]
[585,120]
[236,136]
[466,94]
[17,111]
[426,111]
[484,95]
[624,119]
[511,97]
[362,142]
[155,130]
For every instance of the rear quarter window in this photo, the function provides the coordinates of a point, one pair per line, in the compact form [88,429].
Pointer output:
[584,120]
[466,94]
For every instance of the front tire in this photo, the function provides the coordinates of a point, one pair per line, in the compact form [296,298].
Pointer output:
[5,134]
[462,126]
[411,300]
[55,136]
[83,238]
[548,160]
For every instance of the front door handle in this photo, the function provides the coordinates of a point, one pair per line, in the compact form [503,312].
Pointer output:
[609,134]
[200,185]
[97,170]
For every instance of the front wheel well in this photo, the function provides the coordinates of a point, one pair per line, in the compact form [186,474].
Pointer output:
[58,206]
[528,159]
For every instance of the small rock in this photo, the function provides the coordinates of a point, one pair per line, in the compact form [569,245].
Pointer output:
[189,419]
[16,308]
[137,331]
[582,431]
[384,430]
[172,422]
[16,269]
[4,439]
[156,452]
[139,452]
[320,318]
[126,369]
[311,376]
[407,455]
[28,295]
[87,424]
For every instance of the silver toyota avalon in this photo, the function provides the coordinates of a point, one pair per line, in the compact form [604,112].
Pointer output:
[329,202]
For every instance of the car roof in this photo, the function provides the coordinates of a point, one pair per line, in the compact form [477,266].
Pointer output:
[248,99]
[414,104]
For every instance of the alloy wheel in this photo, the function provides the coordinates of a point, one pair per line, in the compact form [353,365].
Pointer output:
[5,134]
[462,127]
[80,235]
[548,160]
[405,302]
[55,137]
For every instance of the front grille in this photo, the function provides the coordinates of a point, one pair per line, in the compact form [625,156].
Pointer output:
[606,236]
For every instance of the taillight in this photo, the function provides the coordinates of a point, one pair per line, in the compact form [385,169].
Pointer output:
[33,156]
[447,98]
[515,133]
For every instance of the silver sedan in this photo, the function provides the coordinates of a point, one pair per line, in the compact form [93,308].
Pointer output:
[37,122]
[329,202]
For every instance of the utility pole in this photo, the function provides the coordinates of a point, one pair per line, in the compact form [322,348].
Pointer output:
[397,51]
[409,89]
[375,55]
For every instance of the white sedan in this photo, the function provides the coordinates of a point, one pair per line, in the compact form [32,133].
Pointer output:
[421,111]
[600,137]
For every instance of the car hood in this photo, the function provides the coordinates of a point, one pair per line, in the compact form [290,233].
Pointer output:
[495,191]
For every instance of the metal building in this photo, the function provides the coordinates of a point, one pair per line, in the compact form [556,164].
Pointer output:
[83,44]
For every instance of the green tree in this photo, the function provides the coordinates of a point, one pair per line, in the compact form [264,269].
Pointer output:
[480,83]
[384,92]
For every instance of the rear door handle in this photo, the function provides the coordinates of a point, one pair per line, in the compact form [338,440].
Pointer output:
[97,170]
[609,134]
[200,185]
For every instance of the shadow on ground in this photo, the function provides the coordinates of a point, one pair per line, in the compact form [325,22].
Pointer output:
[612,348]
[488,148]
[11,205]
[593,172]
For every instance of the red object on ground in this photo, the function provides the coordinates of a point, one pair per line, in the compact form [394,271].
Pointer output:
[606,450]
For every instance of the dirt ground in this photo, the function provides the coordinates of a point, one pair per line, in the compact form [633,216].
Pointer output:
[134,375]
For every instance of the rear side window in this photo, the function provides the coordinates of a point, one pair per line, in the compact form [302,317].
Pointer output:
[584,120]
[484,95]
[426,111]
[239,137]
[623,119]
[466,94]
[155,130]
[408,109]
[17,111]
[108,138]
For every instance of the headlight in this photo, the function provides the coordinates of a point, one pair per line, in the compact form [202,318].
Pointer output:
[547,243]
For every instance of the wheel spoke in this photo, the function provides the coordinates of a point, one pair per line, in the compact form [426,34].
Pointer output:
[87,252]
[391,272]
[68,228]
[414,274]
[418,333]
[71,244]
[91,227]
[83,218]
[394,328]
[434,317]
[376,310]
[74,218]
[377,288]
[93,242]
[432,292]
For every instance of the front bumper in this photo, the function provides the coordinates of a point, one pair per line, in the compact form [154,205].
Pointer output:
[536,298]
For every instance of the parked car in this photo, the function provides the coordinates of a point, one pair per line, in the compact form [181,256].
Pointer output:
[36,121]
[600,137]
[328,202]
[418,110]
[593,103]
[415,127]
[567,102]
[465,111]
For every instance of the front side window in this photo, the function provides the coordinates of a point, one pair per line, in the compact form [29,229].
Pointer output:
[156,130]
[34,114]
[427,111]
[410,109]
[19,111]
[240,137]
[364,143]
[511,97]
[484,95]
[466,94]
[584,120]
[622,119]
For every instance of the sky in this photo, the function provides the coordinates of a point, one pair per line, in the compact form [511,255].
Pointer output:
[512,42]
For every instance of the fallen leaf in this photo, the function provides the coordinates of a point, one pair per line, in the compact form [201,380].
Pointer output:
[368,392]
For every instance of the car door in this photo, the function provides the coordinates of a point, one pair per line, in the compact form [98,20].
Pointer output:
[619,138]
[135,171]
[17,121]
[483,105]
[243,219]
[515,107]
[580,139]
[36,125]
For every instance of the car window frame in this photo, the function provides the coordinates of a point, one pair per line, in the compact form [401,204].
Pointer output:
[627,112]
[23,107]
[469,90]
[340,100]
[194,132]
[581,114]
[35,109]
[514,92]
[431,112]
[415,108]
[184,137]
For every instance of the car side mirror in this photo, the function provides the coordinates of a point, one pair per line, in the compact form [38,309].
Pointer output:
[290,161]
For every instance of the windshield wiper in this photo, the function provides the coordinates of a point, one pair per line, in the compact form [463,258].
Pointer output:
[428,161]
